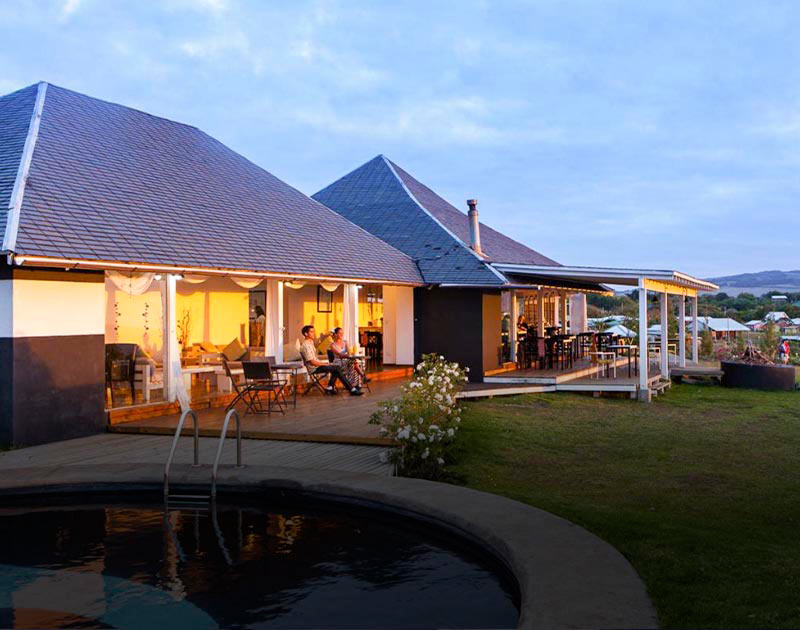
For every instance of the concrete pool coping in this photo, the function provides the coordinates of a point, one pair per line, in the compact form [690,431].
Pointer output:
[568,577]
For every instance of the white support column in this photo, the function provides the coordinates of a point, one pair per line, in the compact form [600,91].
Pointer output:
[577,313]
[644,388]
[170,352]
[540,313]
[564,302]
[350,314]
[695,329]
[512,328]
[682,331]
[273,335]
[664,300]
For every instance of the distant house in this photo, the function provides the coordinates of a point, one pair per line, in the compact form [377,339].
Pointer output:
[755,324]
[720,327]
[780,298]
[776,316]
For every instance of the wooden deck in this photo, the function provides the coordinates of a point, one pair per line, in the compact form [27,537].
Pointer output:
[554,376]
[713,372]
[204,397]
[333,419]
[152,449]
[622,383]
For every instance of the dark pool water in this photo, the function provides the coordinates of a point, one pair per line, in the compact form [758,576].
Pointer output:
[297,564]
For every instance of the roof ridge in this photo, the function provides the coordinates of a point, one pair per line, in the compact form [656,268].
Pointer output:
[15,202]
[348,174]
[450,233]
[461,213]
[128,107]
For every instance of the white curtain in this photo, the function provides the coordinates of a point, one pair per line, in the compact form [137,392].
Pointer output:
[132,283]
[350,314]
[294,285]
[193,278]
[247,283]
[274,320]
[329,286]
[174,385]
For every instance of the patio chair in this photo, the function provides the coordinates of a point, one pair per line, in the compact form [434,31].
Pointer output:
[315,379]
[241,389]
[605,364]
[121,366]
[259,378]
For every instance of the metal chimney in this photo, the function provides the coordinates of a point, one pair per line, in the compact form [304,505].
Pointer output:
[474,226]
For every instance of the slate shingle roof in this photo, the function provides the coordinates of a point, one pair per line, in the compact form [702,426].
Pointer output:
[112,183]
[384,199]
[373,197]
[16,110]
[496,246]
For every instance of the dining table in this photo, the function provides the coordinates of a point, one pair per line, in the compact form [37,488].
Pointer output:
[294,367]
[632,352]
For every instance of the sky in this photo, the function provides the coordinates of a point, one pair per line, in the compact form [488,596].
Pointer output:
[658,134]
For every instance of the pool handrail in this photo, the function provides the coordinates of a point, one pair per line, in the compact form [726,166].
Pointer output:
[174,446]
[221,443]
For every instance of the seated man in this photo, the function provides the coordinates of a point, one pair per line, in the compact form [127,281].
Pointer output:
[309,354]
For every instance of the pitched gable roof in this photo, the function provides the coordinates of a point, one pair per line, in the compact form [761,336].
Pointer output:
[383,198]
[111,183]
[497,247]
[375,197]
[16,110]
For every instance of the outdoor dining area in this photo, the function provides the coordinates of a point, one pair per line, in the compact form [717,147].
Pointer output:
[557,351]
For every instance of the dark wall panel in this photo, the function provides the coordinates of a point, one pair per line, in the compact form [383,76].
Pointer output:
[57,388]
[6,361]
[450,322]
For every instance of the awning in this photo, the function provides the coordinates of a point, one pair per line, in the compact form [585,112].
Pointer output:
[661,280]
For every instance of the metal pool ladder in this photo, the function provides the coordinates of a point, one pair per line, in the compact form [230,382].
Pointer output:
[196,463]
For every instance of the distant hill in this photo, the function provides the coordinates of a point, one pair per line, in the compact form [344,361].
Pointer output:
[761,281]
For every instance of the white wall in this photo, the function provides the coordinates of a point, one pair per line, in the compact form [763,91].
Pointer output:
[398,325]
[32,307]
[390,324]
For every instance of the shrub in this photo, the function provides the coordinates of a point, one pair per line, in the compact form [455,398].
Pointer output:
[424,420]
[706,344]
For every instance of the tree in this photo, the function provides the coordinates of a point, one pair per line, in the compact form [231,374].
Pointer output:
[768,343]
[706,344]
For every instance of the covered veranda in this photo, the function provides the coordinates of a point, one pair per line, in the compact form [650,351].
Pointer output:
[210,323]
[562,290]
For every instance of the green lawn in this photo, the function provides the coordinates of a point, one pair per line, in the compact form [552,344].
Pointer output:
[700,489]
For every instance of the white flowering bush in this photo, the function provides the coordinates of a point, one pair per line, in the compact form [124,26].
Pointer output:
[424,420]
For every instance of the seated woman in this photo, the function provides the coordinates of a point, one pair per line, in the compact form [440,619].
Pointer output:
[352,368]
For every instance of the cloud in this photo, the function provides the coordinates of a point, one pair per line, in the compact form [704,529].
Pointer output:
[451,120]
[69,7]
[214,7]
[783,123]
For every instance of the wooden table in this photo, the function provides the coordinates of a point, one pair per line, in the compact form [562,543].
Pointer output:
[294,367]
[613,355]
[621,347]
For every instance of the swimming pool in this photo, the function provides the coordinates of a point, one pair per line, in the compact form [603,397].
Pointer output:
[273,561]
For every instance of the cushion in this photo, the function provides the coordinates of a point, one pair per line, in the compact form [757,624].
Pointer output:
[323,346]
[234,350]
[207,346]
[291,351]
